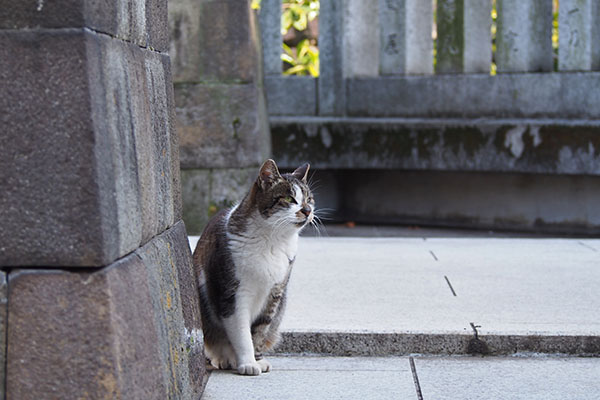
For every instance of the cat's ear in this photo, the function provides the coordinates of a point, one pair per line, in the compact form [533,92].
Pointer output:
[301,173]
[269,174]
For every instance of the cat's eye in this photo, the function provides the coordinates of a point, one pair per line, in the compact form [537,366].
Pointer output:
[289,199]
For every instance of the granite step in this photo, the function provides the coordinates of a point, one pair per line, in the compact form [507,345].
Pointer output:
[389,296]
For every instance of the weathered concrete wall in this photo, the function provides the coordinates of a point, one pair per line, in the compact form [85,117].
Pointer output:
[220,105]
[553,204]
[498,174]
[565,147]
[102,301]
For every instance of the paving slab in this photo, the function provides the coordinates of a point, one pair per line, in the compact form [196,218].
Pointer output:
[508,377]
[392,378]
[318,378]
[376,296]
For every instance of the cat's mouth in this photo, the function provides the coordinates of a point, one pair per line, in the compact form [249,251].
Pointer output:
[306,221]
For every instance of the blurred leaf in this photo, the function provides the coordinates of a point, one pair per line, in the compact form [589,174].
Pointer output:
[288,59]
[288,51]
[296,70]
[302,48]
[304,59]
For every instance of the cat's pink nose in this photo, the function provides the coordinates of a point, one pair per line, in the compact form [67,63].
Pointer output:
[305,210]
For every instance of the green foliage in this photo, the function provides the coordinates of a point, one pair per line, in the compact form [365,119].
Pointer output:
[304,60]
[297,13]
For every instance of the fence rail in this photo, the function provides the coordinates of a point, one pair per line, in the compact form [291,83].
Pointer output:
[377,60]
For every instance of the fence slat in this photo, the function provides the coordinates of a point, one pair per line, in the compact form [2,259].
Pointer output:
[331,87]
[576,20]
[361,38]
[406,45]
[464,41]
[270,31]
[524,35]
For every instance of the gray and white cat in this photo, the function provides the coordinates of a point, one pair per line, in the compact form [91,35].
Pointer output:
[243,260]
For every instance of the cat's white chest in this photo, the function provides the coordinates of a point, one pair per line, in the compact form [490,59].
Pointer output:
[260,265]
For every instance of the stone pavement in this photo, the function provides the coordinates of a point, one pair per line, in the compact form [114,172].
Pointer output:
[392,378]
[529,302]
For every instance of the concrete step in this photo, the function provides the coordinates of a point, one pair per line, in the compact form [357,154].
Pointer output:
[457,377]
[398,296]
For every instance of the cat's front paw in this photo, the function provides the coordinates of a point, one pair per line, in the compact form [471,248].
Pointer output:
[252,368]
[221,363]
[265,366]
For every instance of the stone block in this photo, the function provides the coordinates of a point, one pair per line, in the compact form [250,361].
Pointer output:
[493,146]
[3,327]
[221,125]
[89,168]
[291,95]
[361,39]
[524,36]
[205,192]
[558,95]
[143,22]
[197,210]
[214,41]
[176,308]
[577,39]
[406,45]
[464,42]
[331,88]
[129,330]
[271,39]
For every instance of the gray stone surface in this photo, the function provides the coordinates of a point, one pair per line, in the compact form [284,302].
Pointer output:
[360,39]
[221,125]
[550,204]
[551,95]
[464,42]
[576,35]
[3,329]
[143,22]
[291,95]
[270,31]
[524,36]
[504,378]
[206,191]
[391,377]
[129,330]
[177,312]
[524,295]
[561,147]
[319,378]
[331,88]
[406,45]
[206,44]
[493,290]
[89,165]
[197,210]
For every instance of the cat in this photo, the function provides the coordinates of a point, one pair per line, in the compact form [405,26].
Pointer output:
[243,261]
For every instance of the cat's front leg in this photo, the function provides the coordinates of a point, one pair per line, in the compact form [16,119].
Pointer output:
[238,331]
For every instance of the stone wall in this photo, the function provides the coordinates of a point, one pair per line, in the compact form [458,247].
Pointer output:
[96,267]
[219,100]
